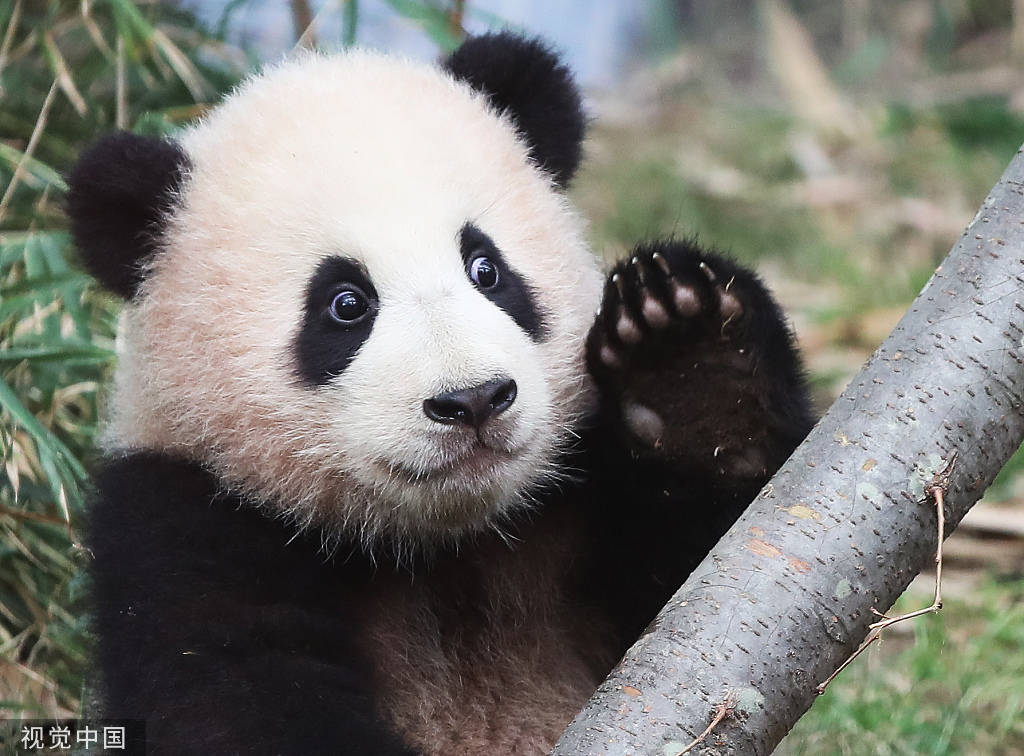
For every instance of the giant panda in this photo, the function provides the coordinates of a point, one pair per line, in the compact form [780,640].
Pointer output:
[375,477]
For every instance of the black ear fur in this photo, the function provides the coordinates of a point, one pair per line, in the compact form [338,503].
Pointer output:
[525,79]
[119,192]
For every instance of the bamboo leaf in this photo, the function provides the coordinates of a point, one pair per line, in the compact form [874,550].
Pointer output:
[432,19]
[60,70]
[44,284]
[349,22]
[60,353]
[46,441]
[37,169]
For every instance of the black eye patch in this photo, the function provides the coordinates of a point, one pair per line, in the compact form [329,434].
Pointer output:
[341,305]
[508,290]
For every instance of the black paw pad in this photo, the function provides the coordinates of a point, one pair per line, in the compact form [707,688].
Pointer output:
[643,422]
[747,462]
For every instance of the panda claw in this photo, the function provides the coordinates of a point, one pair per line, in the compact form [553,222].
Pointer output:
[661,262]
[706,270]
[652,311]
[642,273]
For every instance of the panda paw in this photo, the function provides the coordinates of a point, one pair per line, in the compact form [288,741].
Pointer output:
[647,298]
[691,352]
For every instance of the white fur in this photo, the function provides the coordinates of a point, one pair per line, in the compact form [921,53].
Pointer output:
[382,161]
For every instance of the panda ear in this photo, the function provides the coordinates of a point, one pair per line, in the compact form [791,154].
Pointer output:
[526,81]
[118,195]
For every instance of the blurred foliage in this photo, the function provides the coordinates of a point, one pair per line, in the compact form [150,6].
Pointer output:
[861,199]
[435,17]
[68,72]
[847,216]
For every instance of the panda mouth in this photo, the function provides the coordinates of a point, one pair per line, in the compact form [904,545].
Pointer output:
[479,460]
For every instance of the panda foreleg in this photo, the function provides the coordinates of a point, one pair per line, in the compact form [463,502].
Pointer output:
[702,399]
[218,626]
[697,365]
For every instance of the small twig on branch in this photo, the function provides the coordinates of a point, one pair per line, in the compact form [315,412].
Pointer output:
[936,490]
[725,709]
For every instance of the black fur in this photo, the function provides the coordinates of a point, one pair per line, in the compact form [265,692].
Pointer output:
[731,393]
[323,346]
[118,194]
[512,294]
[216,627]
[525,79]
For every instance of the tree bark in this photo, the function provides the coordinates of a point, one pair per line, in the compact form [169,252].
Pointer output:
[786,596]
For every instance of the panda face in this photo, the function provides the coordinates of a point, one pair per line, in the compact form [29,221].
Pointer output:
[369,308]
[437,365]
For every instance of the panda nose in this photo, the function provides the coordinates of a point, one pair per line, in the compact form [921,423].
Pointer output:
[472,406]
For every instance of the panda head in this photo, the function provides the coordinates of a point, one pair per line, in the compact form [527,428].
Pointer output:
[356,291]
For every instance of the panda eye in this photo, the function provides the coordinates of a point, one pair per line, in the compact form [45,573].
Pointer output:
[484,272]
[348,306]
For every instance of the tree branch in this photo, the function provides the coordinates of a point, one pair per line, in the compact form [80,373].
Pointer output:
[787,595]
